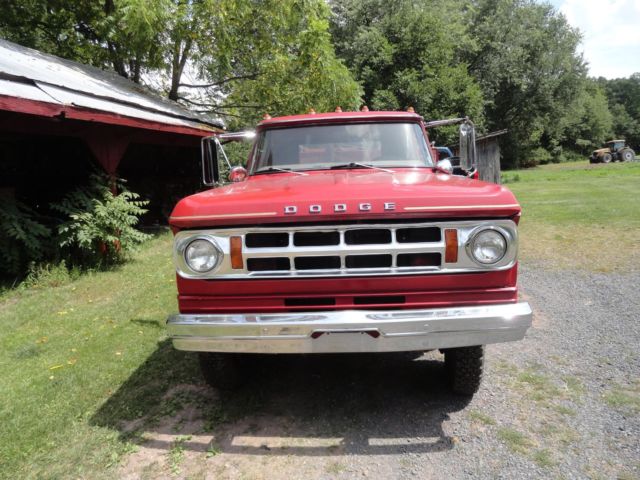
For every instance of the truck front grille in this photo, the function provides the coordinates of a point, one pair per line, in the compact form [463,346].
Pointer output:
[374,249]
[348,249]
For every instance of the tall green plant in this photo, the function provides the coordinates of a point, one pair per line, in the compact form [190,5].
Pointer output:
[23,237]
[100,226]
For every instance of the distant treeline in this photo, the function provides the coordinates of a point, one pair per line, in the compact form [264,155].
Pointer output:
[505,63]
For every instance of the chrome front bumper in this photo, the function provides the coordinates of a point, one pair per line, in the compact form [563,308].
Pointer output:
[346,331]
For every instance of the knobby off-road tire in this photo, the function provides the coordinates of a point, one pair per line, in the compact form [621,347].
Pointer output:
[627,155]
[224,371]
[606,158]
[464,368]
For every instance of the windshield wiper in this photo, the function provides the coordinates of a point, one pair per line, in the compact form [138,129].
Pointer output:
[359,165]
[277,169]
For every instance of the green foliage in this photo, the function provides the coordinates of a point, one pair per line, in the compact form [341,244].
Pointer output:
[409,54]
[624,102]
[24,237]
[288,66]
[530,72]
[245,62]
[100,225]
[537,156]
[587,124]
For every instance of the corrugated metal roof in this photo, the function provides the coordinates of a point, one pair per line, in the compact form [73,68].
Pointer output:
[33,75]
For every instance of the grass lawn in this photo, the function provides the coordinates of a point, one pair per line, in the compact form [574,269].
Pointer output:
[82,360]
[67,360]
[580,215]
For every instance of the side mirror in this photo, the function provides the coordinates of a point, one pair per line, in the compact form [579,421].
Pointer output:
[213,153]
[445,165]
[209,156]
[467,145]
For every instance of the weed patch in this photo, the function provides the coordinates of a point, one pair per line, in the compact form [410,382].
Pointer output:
[515,441]
[624,399]
[480,417]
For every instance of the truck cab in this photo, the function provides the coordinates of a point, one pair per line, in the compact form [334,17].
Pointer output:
[343,235]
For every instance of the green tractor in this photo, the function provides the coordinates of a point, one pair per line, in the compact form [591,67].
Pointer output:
[615,150]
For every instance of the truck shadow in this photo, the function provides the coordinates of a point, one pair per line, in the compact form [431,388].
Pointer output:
[290,405]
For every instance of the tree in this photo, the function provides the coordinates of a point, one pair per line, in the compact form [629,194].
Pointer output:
[281,62]
[588,122]
[409,53]
[623,95]
[244,56]
[527,65]
[123,35]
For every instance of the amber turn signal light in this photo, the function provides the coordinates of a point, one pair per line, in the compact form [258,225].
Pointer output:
[451,245]
[236,253]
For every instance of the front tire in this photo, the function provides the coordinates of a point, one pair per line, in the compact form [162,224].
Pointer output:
[222,370]
[606,158]
[464,366]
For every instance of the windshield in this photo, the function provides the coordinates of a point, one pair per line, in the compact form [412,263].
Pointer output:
[326,146]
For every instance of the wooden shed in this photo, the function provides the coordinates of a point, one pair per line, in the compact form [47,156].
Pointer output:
[60,119]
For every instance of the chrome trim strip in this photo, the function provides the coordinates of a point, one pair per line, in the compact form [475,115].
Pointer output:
[462,207]
[350,330]
[229,215]
[465,263]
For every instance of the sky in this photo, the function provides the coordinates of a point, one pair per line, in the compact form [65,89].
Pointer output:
[611,34]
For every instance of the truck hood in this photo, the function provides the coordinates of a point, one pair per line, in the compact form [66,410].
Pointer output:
[339,195]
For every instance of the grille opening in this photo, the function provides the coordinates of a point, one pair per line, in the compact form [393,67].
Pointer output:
[418,235]
[388,299]
[315,239]
[368,261]
[267,264]
[264,240]
[367,236]
[309,302]
[317,263]
[418,260]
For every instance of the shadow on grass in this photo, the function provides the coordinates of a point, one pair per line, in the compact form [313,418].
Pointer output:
[290,405]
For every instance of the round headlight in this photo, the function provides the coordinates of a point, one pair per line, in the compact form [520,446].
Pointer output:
[488,246]
[201,255]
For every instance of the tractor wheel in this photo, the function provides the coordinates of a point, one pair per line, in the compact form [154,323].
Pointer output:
[606,158]
[627,155]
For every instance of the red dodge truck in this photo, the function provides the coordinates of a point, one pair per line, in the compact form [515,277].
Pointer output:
[343,235]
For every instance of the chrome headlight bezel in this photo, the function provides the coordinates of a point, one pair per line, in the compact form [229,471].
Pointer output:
[506,235]
[180,255]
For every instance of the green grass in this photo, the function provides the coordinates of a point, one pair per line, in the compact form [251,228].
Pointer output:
[515,441]
[480,417]
[624,399]
[580,215]
[544,458]
[79,360]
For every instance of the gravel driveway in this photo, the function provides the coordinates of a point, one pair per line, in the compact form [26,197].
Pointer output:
[564,403]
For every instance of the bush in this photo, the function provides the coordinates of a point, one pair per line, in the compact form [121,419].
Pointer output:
[537,156]
[101,226]
[24,237]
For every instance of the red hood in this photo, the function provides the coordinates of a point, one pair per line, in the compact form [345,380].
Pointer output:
[414,193]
